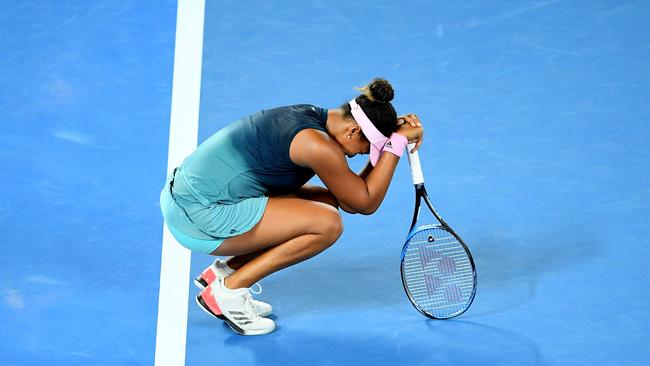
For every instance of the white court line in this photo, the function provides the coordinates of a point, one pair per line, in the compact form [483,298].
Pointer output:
[171,332]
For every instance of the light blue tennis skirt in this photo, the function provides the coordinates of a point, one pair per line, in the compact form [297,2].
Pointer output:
[203,228]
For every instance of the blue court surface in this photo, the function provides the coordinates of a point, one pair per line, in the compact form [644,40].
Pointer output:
[536,151]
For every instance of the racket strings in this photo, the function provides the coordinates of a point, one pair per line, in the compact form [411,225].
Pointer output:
[438,273]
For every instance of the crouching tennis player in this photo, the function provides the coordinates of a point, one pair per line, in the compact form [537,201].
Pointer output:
[242,193]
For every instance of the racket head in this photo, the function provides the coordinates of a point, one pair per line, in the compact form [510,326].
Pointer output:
[438,272]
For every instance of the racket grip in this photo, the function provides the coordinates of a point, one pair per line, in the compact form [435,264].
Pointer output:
[414,163]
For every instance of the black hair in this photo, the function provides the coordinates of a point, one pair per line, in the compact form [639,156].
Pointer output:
[375,102]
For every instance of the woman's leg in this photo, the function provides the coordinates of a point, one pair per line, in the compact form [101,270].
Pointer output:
[238,261]
[307,192]
[290,231]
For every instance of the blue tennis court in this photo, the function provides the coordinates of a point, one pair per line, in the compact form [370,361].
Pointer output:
[536,151]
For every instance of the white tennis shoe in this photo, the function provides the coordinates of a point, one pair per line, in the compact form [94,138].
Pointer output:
[220,269]
[234,307]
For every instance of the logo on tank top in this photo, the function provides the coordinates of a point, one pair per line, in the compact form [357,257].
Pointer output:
[389,144]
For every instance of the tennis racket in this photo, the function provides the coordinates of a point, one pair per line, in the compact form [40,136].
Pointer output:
[438,271]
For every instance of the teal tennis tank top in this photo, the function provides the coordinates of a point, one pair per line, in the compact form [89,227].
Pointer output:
[249,158]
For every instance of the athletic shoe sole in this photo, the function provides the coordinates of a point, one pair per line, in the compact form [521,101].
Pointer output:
[200,283]
[231,324]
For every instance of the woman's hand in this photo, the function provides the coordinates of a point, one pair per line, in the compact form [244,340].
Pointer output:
[411,128]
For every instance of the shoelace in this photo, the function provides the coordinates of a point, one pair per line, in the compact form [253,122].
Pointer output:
[259,286]
[249,306]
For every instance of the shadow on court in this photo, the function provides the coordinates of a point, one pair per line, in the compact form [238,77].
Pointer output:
[510,267]
[445,343]
[370,281]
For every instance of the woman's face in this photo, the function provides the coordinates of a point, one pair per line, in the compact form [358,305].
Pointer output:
[354,142]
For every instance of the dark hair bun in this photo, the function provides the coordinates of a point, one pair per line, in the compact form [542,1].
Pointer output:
[381,90]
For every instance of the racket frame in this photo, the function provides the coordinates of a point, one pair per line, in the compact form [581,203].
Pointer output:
[420,194]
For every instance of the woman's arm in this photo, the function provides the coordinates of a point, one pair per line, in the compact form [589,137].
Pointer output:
[366,171]
[352,191]
[357,194]
[316,150]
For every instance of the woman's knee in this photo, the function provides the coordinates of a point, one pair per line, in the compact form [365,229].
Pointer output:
[331,226]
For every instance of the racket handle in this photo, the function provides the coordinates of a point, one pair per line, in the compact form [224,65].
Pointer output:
[414,163]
